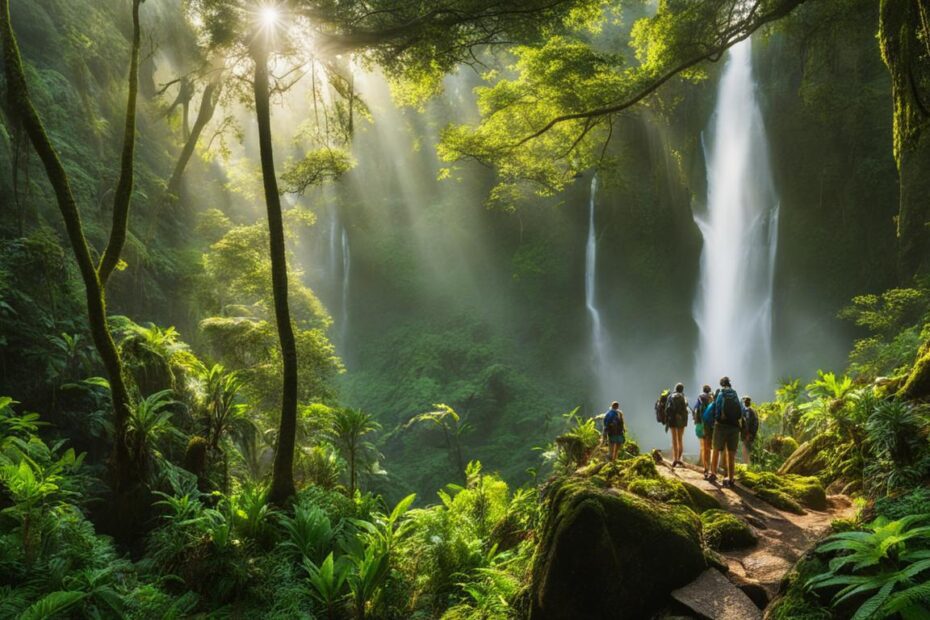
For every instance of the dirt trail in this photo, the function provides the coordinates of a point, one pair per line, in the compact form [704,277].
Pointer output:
[783,536]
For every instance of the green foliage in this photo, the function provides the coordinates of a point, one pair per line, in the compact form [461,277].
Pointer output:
[897,320]
[898,447]
[879,571]
[914,502]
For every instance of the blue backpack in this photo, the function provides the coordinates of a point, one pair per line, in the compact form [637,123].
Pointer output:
[708,416]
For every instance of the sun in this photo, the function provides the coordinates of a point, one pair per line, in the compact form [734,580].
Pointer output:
[269,15]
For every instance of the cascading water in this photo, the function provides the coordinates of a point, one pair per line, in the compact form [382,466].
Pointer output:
[346,268]
[340,264]
[598,342]
[733,309]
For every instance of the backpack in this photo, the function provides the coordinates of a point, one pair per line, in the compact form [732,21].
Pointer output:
[676,407]
[613,426]
[731,412]
[699,407]
[709,416]
[660,408]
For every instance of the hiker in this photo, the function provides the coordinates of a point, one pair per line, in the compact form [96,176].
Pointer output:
[704,434]
[660,407]
[614,429]
[750,428]
[728,422]
[676,418]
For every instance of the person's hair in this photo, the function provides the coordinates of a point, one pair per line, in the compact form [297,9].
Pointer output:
[706,389]
[725,382]
[679,387]
[615,405]
[747,400]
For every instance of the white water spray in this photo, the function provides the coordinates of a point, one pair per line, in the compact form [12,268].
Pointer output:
[733,308]
[598,342]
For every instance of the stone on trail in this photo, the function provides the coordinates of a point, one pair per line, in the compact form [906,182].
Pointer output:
[714,597]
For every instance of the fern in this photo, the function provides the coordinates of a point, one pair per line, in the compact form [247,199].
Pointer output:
[52,604]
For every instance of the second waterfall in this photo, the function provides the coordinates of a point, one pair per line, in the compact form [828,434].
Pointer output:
[733,308]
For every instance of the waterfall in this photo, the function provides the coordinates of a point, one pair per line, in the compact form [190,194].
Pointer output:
[340,263]
[598,344]
[346,268]
[733,308]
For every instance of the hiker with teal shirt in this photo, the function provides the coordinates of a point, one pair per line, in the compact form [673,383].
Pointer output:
[728,423]
[704,433]
[676,419]
[614,429]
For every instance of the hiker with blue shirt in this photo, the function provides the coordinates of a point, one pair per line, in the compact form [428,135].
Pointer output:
[728,417]
[614,429]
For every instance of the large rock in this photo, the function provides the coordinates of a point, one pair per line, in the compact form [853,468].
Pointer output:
[713,596]
[611,554]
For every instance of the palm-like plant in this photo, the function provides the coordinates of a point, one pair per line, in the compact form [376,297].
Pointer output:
[896,442]
[149,423]
[221,390]
[348,430]
[888,562]
[453,428]
[309,533]
[327,582]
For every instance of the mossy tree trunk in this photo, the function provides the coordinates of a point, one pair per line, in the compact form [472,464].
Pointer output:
[904,34]
[123,475]
[123,195]
[282,480]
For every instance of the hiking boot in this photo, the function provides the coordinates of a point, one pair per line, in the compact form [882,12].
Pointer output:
[712,478]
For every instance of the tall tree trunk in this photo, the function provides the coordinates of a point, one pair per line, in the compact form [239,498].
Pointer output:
[208,103]
[123,194]
[22,108]
[282,480]
[908,61]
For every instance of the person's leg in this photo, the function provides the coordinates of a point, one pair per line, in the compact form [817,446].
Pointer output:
[731,464]
[681,445]
[674,446]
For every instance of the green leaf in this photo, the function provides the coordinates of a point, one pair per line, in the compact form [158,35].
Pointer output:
[52,604]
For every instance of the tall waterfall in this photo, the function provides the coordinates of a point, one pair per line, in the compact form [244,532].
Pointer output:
[346,269]
[598,344]
[733,308]
[340,264]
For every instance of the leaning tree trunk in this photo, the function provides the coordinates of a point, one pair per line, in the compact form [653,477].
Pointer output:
[282,480]
[208,103]
[22,109]
[908,60]
[123,195]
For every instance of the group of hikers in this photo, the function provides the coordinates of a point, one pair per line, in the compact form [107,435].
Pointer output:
[720,420]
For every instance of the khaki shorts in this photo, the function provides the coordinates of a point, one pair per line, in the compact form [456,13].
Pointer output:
[726,436]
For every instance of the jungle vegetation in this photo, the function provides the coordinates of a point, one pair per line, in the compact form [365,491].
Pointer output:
[255,360]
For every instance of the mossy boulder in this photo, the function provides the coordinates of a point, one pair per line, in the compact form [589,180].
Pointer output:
[639,475]
[785,491]
[782,445]
[810,458]
[725,531]
[797,602]
[700,499]
[606,553]
[917,384]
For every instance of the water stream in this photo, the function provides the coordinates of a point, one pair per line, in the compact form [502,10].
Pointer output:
[733,307]
[598,342]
